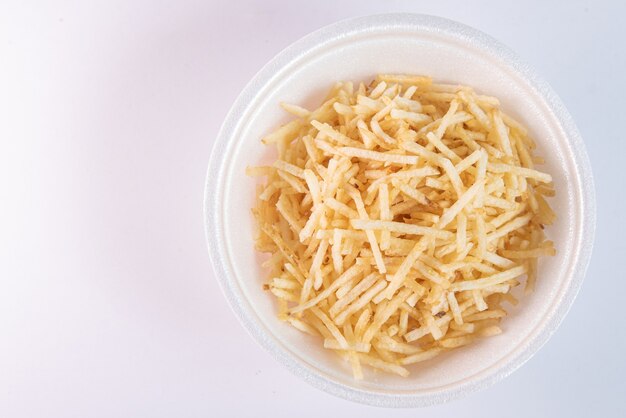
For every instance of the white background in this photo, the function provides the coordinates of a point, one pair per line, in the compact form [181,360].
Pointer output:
[108,304]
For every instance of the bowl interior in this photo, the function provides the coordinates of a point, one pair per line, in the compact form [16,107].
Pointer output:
[358,56]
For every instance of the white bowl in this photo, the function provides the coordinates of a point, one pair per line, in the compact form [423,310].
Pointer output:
[356,50]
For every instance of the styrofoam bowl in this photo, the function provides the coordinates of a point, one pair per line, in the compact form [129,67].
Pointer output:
[357,50]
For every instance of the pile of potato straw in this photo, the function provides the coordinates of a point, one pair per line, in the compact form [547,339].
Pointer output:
[398,217]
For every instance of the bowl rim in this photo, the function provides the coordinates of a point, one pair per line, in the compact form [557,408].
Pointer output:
[344,30]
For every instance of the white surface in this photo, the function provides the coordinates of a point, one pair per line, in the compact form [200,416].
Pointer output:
[402,43]
[108,306]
